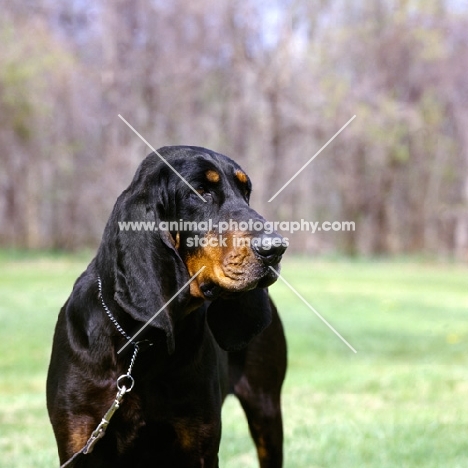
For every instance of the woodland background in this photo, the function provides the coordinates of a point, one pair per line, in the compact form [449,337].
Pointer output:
[265,82]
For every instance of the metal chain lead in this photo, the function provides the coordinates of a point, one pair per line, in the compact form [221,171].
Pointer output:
[132,362]
[109,313]
[128,376]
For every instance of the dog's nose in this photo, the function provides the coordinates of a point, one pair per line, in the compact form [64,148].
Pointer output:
[269,247]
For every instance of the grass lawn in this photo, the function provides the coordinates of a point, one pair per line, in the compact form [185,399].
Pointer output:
[401,401]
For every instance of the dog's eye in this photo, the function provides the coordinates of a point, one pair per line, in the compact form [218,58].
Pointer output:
[206,194]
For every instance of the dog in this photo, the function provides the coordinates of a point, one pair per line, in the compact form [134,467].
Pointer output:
[199,303]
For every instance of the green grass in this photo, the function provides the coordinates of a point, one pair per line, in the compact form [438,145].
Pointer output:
[401,401]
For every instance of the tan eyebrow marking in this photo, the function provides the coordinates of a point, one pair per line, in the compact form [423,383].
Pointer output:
[241,176]
[212,176]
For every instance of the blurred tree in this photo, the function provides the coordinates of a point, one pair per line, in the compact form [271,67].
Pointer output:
[33,71]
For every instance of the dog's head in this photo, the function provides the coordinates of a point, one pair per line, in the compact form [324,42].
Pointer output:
[191,219]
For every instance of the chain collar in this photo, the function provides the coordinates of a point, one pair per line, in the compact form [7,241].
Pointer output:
[109,313]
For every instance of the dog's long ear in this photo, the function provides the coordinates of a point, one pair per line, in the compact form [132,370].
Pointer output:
[235,321]
[147,269]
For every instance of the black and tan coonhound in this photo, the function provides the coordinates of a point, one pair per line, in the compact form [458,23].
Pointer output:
[220,335]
